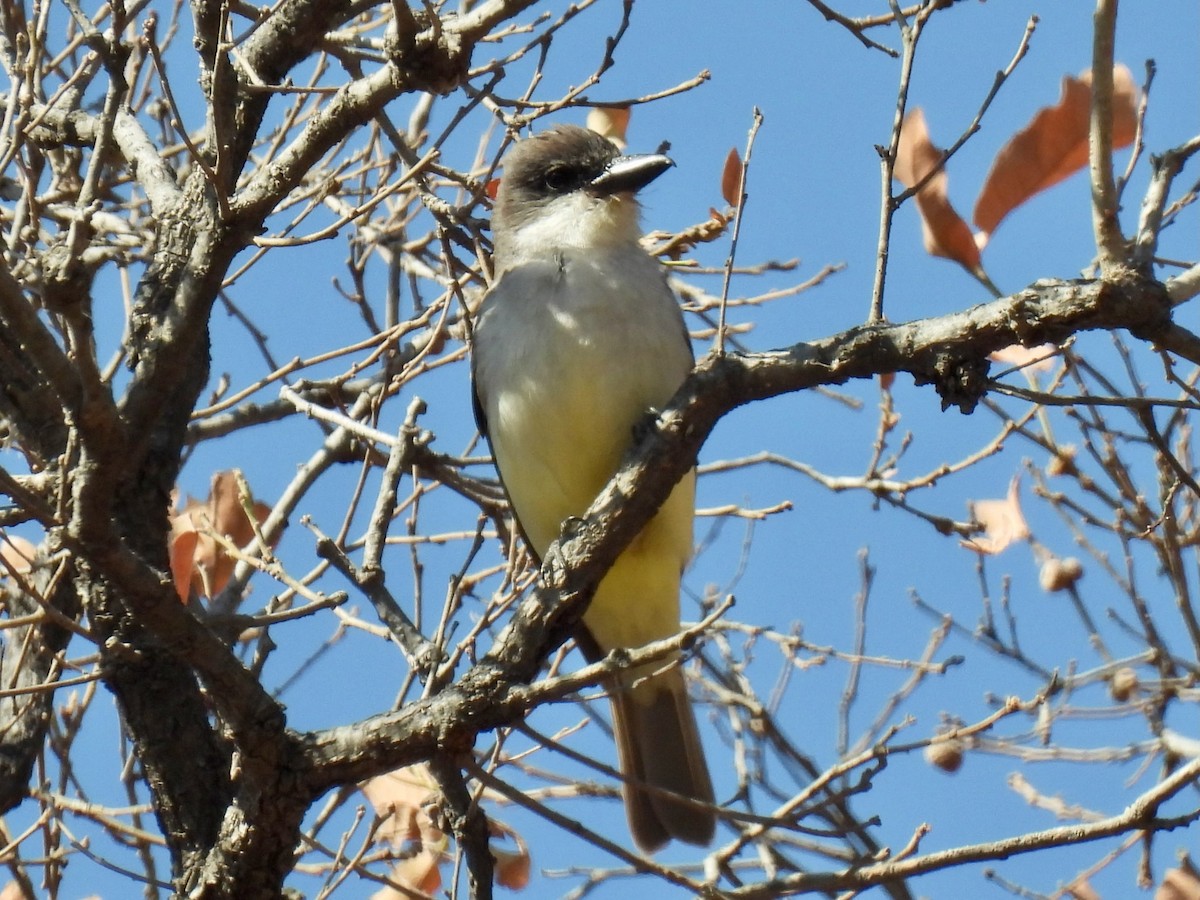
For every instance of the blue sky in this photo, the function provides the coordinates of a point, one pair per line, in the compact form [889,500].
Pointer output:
[814,196]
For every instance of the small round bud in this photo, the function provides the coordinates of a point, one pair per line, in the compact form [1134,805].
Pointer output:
[1123,684]
[1060,574]
[1062,463]
[945,755]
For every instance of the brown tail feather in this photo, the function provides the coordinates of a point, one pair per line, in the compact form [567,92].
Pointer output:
[659,747]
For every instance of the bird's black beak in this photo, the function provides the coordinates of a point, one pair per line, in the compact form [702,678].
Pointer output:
[629,174]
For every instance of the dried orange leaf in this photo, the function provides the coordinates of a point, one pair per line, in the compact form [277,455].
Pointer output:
[183,555]
[945,232]
[400,796]
[421,873]
[512,866]
[1053,146]
[512,869]
[1002,521]
[194,557]
[731,178]
[207,567]
[611,122]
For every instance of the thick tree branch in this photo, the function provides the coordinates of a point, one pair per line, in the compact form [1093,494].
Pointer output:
[1184,286]
[78,128]
[483,18]
[33,341]
[1165,168]
[236,693]
[24,720]
[288,36]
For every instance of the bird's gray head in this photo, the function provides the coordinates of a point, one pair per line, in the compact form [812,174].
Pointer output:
[568,187]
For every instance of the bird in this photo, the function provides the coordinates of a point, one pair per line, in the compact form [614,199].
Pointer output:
[579,338]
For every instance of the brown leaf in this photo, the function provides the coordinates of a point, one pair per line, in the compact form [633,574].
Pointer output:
[512,866]
[197,559]
[421,872]
[1051,147]
[402,797]
[183,555]
[946,234]
[1002,521]
[731,178]
[611,122]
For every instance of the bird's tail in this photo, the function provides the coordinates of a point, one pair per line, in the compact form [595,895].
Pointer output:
[659,750]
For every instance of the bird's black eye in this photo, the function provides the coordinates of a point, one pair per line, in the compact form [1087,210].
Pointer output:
[560,179]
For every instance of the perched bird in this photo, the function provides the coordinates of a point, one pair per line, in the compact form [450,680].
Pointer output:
[577,340]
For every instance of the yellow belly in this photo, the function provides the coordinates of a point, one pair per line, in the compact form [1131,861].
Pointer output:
[572,356]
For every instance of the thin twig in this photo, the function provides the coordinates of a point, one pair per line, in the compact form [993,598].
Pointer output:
[737,229]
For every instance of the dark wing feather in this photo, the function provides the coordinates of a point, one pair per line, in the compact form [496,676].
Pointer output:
[477,408]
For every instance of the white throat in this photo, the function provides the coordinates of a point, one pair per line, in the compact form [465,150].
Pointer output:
[575,221]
